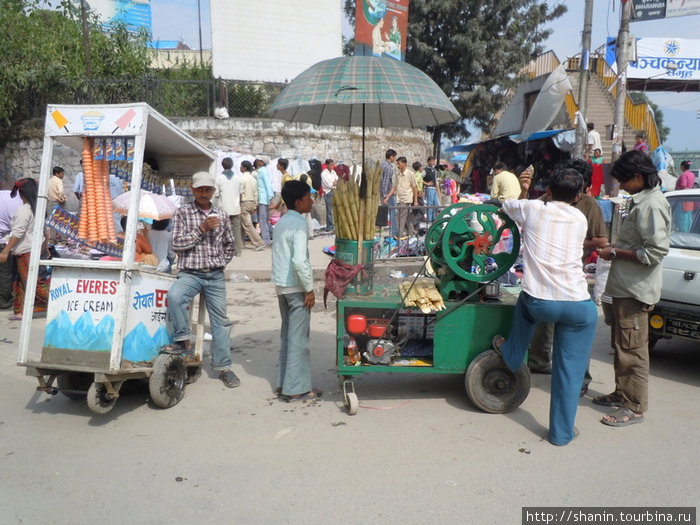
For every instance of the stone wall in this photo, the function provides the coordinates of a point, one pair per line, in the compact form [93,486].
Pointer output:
[273,138]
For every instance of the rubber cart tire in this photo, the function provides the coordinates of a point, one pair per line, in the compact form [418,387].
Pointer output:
[167,382]
[492,387]
[97,399]
[351,403]
[74,385]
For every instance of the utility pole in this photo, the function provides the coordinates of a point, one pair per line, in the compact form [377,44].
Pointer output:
[199,18]
[86,39]
[623,45]
[584,66]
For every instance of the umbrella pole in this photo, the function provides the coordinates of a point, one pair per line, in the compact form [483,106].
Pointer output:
[363,197]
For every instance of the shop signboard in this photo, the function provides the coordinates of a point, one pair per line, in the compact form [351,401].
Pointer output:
[381,27]
[672,58]
[654,9]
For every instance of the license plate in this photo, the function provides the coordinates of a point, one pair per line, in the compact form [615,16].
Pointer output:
[683,328]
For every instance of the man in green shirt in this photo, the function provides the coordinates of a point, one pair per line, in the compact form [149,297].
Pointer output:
[634,283]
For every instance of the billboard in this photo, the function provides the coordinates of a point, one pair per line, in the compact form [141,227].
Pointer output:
[274,40]
[654,9]
[381,27]
[135,14]
[670,58]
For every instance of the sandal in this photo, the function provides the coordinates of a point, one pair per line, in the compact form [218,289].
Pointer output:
[15,317]
[621,418]
[311,395]
[229,378]
[611,400]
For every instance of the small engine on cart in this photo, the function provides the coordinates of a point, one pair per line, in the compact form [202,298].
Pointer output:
[380,351]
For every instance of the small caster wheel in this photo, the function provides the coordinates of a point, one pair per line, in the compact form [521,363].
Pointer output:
[97,399]
[193,373]
[351,403]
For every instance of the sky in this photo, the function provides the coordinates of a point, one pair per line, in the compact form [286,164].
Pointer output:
[178,19]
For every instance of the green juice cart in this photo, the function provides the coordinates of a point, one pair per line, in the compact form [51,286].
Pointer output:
[469,247]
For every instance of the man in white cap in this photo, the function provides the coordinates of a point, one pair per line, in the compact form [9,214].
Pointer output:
[204,243]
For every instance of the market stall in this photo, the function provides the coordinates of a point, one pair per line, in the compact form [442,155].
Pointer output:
[107,314]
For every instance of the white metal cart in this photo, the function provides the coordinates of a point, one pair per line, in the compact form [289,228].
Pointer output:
[107,319]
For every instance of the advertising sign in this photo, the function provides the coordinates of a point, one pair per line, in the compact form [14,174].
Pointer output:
[82,313]
[672,58]
[381,27]
[653,9]
[135,14]
[274,40]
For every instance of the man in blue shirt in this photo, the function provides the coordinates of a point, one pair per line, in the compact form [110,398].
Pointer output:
[293,279]
[265,193]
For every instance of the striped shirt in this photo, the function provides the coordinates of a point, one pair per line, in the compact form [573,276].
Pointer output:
[553,235]
[199,251]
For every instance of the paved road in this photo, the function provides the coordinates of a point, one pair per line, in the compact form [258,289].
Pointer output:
[417,452]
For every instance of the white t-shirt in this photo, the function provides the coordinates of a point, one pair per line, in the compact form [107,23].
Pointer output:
[553,235]
[328,180]
[593,140]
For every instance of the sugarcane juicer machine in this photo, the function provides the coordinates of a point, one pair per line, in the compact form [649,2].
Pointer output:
[444,324]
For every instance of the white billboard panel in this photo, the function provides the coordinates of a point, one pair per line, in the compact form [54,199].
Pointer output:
[273,40]
[670,58]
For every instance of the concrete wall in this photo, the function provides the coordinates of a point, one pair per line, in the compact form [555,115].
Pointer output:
[273,138]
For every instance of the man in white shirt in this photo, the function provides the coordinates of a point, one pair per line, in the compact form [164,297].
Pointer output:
[227,197]
[592,140]
[405,188]
[554,291]
[329,180]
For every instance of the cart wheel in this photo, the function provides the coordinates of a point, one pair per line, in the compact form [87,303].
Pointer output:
[492,387]
[167,383]
[193,373]
[351,403]
[97,399]
[74,385]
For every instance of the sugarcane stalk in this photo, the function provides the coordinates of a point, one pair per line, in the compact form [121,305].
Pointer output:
[341,209]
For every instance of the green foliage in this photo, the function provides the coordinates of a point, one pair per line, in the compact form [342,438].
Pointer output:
[473,49]
[183,89]
[44,60]
[639,97]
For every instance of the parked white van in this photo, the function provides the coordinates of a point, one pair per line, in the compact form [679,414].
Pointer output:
[678,312]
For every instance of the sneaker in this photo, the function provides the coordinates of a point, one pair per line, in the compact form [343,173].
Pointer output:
[260,248]
[229,378]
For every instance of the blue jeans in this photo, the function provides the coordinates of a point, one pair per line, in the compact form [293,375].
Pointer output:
[329,210]
[180,296]
[574,330]
[431,199]
[294,373]
[264,223]
[392,215]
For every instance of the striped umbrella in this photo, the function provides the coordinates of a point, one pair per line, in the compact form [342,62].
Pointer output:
[364,91]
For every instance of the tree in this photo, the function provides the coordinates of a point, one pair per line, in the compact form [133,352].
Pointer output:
[43,60]
[474,49]
[639,97]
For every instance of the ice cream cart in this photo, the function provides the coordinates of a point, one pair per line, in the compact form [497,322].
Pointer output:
[442,325]
[107,319]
